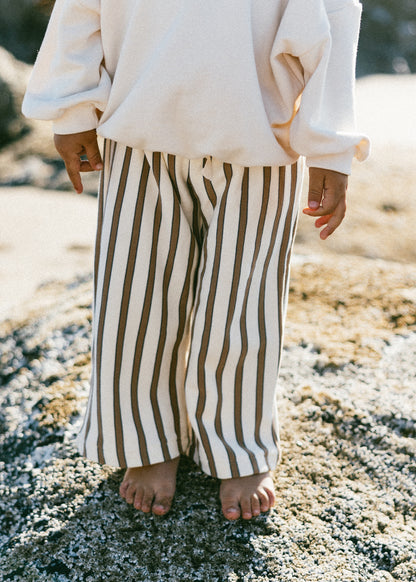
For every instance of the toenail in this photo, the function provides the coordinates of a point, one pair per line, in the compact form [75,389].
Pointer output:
[232,512]
[160,509]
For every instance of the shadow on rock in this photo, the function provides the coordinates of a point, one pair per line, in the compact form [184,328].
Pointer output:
[103,538]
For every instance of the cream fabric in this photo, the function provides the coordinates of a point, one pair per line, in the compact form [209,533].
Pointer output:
[191,277]
[206,77]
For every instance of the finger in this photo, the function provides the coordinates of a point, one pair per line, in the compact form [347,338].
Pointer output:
[333,195]
[316,188]
[320,212]
[322,220]
[73,171]
[93,154]
[330,203]
[333,223]
[335,189]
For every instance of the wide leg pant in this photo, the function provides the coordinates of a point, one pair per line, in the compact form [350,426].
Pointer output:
[191,280]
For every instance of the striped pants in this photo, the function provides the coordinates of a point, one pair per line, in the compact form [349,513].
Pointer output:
[191,280]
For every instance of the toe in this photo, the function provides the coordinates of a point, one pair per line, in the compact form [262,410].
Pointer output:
[231,511]
[271,497]
[246,508]
[264,500]
[147,501]
[230,506]
[255,505]
[123,489]
[138,499]
[162,505]
[130,493]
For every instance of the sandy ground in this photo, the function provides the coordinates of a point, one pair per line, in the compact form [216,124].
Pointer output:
[43,236]
[47,235]
[381,202]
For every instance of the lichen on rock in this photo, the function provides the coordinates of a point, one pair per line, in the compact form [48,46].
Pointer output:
[346,483]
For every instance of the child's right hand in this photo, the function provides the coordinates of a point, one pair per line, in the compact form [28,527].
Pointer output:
[74,145]
[326,199]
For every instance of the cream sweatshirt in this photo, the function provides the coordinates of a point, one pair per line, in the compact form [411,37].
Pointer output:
[251,82]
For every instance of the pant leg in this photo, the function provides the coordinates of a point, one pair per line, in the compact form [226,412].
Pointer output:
[236,225]
[146,259]
[239,316]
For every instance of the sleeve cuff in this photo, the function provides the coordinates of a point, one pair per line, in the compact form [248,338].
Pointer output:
[341,162]
[337,163]
[78,118]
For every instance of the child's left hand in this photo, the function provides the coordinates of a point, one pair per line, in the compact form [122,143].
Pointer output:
[72,147]
[326,199]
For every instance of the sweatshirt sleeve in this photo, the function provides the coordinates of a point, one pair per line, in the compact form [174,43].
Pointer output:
[69,81]
[325,47]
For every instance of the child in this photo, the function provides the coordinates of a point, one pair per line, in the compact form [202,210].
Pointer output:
[205,107]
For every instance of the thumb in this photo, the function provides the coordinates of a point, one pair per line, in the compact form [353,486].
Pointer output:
[316,187]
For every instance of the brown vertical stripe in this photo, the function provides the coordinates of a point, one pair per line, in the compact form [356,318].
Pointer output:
[105,292]
[112,149]
[208,323]
[210,192]
[183,315]
[295,213]
[107,151]
[99,222]
[172,175]
[144,322]
[284,246]
[283,262]
[262,319]
[199,277]
[173,244]
[239,251]
[238,417]
[124,308]
[87,420]
[198,216]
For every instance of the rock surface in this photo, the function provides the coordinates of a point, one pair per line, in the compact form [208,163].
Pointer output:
[346,485]
[13,79]
[347,481]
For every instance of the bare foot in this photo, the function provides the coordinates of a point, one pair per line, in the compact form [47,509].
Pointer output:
[247,497]
[151,488]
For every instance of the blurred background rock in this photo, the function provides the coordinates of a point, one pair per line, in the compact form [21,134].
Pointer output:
[388,37]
